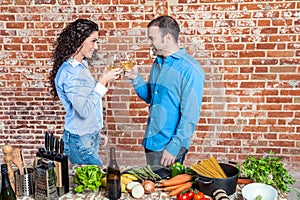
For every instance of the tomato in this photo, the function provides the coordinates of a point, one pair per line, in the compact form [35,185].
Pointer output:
[205,198]
[199,196]
[183,196]
[191,194]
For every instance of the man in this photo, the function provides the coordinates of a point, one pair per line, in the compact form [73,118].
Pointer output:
[173,92]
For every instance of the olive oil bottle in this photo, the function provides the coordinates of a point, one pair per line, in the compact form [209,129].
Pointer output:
[7,193]
[113,177]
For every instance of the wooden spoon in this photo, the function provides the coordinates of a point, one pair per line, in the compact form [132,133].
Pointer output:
[17,160]
[24,163]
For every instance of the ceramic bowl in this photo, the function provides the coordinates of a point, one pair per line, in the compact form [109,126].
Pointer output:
[253,190]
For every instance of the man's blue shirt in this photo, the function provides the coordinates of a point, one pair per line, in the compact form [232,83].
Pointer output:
[174,94]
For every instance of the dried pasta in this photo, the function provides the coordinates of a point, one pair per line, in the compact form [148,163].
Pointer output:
[209,168]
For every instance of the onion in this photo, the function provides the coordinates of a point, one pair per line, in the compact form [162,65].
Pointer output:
[130,185]
[137,191]
[149,186]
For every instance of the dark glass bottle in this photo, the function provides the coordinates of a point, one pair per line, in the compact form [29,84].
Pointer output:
[7,193]
[113,177]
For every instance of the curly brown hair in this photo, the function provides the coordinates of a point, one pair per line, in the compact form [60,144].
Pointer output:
[67,44]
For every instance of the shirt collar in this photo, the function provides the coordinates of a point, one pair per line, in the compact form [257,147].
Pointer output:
[175,55]
[75,62]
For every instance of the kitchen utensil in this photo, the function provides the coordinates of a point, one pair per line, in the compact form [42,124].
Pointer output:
[7,151]
[45,181]
[61,147]
[162,171]
[56,146]
[17,160]
[24,183]
[51,142]
[47,154]
[209,185]
[23,161]
[253,190]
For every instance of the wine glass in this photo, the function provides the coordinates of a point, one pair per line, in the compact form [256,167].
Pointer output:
[127,61]
[111,64]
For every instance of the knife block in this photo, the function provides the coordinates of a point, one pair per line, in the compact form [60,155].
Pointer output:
[62,174]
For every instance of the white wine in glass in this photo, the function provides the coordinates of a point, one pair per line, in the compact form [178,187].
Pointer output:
[127,65]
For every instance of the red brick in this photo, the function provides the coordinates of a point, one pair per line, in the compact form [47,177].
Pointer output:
[280,54]
[280,114]
[290,77]
[263,22]
[281,69]
[290,92]
[235,46]
[11,47]
[282,143]
[41,2]
[263,77]
[252,54]
[253,84]
[279,99]
[100,2]
[265,61]
[261,69]
[266,46]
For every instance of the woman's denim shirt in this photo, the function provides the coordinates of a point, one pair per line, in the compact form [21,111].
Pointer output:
[81,96]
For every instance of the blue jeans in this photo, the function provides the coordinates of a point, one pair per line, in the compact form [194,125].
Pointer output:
[82,149]
[154,157]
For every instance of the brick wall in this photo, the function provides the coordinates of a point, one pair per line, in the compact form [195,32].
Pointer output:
[249,49]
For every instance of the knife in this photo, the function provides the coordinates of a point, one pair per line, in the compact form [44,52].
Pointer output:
[64,167]
[61,148]
[47,142]
[56,148]
[51,144]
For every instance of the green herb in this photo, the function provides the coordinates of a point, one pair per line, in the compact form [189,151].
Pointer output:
[268,170]
[88,176]
[259,197]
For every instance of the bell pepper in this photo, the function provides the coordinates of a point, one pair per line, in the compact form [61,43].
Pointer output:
[177,168]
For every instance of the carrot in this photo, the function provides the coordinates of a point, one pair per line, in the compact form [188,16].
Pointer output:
[183,187]
[173,187]
[176,180]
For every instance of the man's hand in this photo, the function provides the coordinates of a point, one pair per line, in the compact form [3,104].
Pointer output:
[167,159]
[131,74]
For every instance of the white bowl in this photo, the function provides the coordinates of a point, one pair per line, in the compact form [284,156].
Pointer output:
[252,190]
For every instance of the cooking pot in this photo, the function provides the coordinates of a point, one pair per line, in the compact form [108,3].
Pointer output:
[209,185]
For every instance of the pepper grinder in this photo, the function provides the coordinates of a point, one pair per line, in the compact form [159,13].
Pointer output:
[7,151]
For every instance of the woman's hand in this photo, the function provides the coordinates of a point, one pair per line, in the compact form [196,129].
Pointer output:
[105,138]
[109,75]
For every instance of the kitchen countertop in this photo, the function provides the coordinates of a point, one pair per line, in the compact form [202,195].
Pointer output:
[100,195]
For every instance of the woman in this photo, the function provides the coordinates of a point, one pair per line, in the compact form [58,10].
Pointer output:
[80,94]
